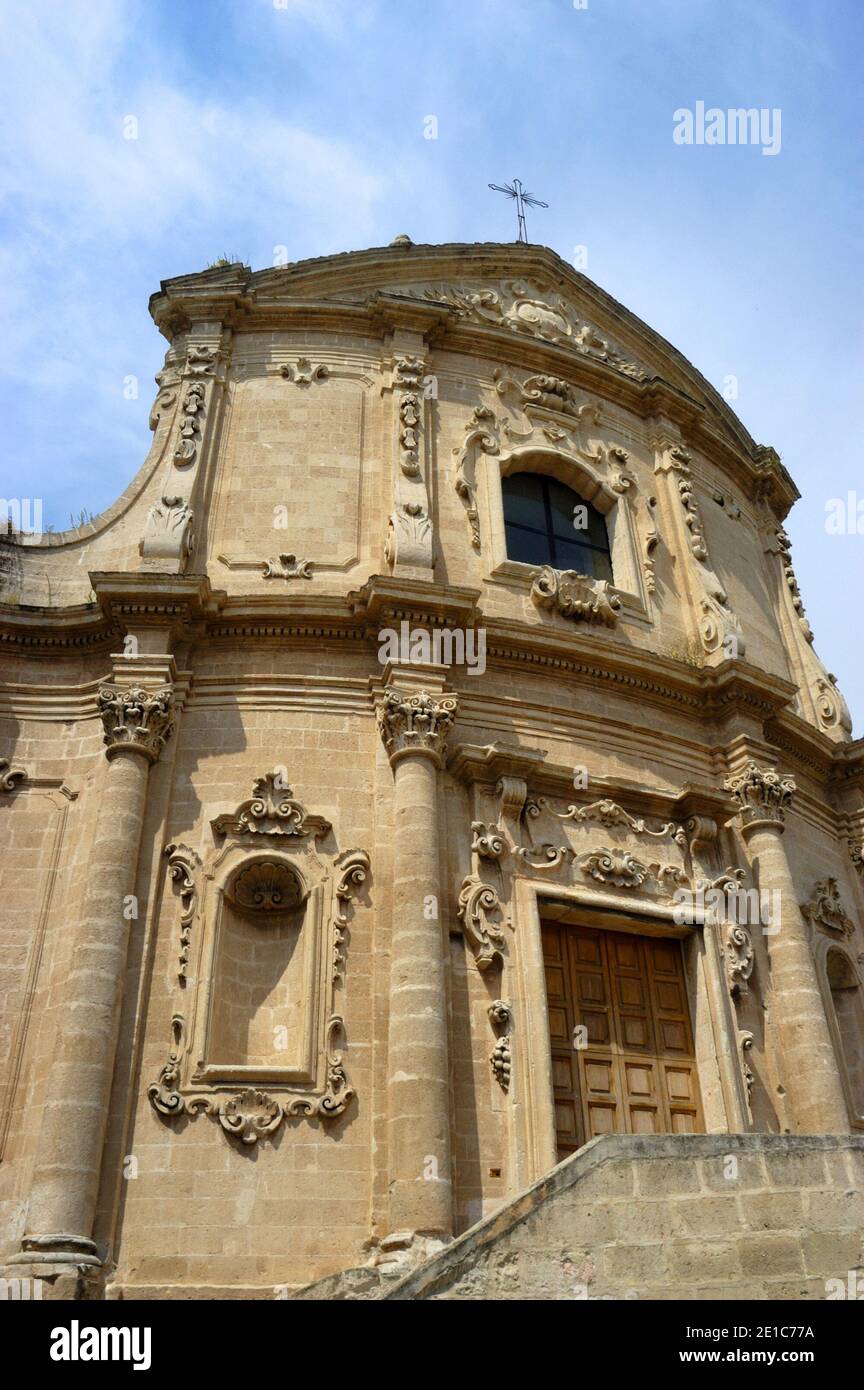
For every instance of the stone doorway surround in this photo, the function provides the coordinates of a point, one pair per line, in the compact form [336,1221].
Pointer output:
[607,856]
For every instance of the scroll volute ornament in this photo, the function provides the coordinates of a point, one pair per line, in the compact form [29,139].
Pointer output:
[10,776]
[415,723]
[136,720]
[763,795]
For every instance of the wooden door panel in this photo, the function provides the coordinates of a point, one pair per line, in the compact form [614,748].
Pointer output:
[622,1045]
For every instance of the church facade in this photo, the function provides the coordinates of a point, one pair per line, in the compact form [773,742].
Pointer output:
[420,788]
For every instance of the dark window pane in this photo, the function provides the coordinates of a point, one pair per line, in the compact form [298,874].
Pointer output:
[523,500]
[570,556]
[529,547]
[540,515]
[562,501]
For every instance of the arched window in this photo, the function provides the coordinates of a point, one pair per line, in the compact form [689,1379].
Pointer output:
[550,524]
[849,1012]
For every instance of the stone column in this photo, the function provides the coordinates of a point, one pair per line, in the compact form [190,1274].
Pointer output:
[65,1183]
[414,728]
[809,1063]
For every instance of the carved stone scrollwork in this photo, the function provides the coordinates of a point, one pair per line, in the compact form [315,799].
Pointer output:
[745,1041]
[763,795]
[168,532]
[525,309]
[719,623]
[651,540]
[477,902]
[183,866]
[303,373]
[501,1016]
[739,957]
[409,536]
[856,854]
[481,434]
[407,375]
[545,856]
[136,720]
[354,866]
[287,567]
[164,1093]
[487,840]
[10,776]
[190,424]
[575,596]
[271,810]
[818,685]
[409,424]
[784,549]
[415,723]
[608,812]
[624,870]
[250,1116]
[825,910]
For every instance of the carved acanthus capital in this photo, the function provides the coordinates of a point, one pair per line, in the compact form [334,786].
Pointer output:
[136,720]
[763,795]
[415,723]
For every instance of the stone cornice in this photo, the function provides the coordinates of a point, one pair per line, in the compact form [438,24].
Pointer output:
[383,600]
[148,598]
[486,763]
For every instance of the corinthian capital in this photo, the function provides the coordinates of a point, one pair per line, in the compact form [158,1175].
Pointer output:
[136,720]
[762,795]
[415,723]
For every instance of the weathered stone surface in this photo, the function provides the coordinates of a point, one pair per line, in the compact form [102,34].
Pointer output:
[296,757]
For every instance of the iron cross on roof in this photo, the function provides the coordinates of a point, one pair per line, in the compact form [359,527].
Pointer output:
[523,200]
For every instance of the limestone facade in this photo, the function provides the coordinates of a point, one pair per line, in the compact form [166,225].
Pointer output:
[276,862]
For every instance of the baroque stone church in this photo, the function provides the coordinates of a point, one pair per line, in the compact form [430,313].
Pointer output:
[337,972]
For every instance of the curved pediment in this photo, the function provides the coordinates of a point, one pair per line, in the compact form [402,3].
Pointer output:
[511,290]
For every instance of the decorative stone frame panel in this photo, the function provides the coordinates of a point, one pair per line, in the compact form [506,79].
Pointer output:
[270,833]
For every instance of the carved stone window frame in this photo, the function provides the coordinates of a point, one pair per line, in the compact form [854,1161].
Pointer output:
[628,580]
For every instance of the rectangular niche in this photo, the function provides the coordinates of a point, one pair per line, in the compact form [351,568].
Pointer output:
[263,990]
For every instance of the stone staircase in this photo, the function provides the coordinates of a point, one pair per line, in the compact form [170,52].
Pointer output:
[669,1217]
[660,1217]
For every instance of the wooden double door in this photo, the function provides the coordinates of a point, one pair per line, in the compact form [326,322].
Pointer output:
[622,1044]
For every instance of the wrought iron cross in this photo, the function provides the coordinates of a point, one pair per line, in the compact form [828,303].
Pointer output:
[523,200]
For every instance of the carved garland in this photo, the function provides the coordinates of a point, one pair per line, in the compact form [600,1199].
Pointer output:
[501,1017]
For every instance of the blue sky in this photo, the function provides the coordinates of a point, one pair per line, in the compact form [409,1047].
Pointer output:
[300,123]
